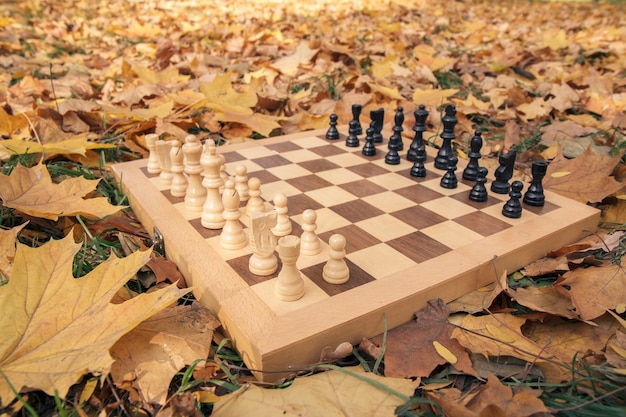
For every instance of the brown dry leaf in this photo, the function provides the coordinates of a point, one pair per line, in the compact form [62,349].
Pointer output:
[585,178]
[550,299]
[595,290]
[616,350]
[497,335]
[8,240]
[57,328]
[31,191]
[160,346]
[475,301]
[411,349]
[546,266]
[345,392]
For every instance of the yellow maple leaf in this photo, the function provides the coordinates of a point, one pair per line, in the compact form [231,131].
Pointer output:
[31,191]
[391,92]
[434,97]
[168,76]
[8,238]
[56,328]
[15,126]
[288,65]
[221,92]
[78,145]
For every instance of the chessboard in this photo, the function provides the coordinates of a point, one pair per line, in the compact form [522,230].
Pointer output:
[408,240]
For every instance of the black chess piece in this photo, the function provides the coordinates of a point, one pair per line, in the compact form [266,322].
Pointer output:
[397,128]
[421,114]
[449,179]
[418,169]
[445,152]
[534,195]
[356,114]
[369,149]
[504,173]
[393,157]
[352,140]
[513,208]
[471,170]
[332,133]
[378,118]
[479,191]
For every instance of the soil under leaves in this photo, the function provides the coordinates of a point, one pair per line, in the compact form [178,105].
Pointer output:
[86,80]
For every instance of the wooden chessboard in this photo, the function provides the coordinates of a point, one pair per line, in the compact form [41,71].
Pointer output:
[408,241]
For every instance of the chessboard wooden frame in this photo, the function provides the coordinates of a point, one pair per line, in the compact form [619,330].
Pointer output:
[275,345]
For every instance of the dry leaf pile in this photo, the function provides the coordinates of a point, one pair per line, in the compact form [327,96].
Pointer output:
[81,79]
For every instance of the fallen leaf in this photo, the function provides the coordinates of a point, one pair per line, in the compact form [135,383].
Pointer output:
[549,299]
[595,290]
[160,346]
[337,393]
[31,191]
[411,350]
[57,328]
[434,97]
[289,64]
[8,240]
[590,179]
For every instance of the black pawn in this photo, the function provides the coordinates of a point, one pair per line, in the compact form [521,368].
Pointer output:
[513,208]
[352,140]
[332,133]
[356,114]
[503,173]
[378,118]
[449,179]
[421,114]
[479,191]
[418,169]
[471,170]
[369,149]
[397,129]
[534,196]
[445,152]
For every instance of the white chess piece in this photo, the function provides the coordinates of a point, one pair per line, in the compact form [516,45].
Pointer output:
[263,262]
[309,241]
[255,202]
[283,223]
[233,236]
[179,181]
[163,148]
[336,270]
[196,193]
[241,182]
[213,208]
[154,165]
[289,284]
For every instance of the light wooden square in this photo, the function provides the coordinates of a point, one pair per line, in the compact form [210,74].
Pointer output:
[389,201]
[385,227]
[452,234]
[448,207]
[391,181]
[370,260]
[330,196]
[339,176]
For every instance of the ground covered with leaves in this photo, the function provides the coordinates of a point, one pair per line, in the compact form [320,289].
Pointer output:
[89,328]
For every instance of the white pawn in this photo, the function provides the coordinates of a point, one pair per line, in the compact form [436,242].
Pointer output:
[213,208]
[336,270]
[154,165]
[241,182]
[196,193]
[289,284]
[283,223]
[179,181]
[309,241]
[255,202]
[263,262]
[163,150]
[233,236]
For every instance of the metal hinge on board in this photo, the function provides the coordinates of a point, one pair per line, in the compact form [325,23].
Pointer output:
[158,244]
